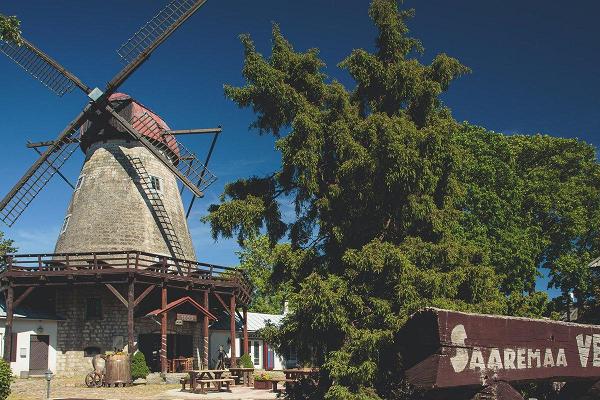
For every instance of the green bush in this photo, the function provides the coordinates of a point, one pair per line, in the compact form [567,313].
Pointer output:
[139,368]
[6,378]
[246,362]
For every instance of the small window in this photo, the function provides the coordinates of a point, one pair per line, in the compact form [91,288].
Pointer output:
[156,183]
[93,308]
[256,353]
[91,351]
[79,182]
[65,224]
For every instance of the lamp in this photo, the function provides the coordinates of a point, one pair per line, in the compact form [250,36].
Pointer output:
[48,374]
[40,329]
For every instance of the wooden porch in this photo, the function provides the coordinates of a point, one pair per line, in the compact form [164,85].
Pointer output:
[20,275]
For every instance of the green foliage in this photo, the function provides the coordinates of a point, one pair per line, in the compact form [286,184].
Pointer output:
[246,361]
[6,379]
[6,247]
[398,206]
[9,29]
[259,259]
[139,368]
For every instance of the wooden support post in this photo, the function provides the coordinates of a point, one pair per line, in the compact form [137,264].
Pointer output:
[245,321]
[10,294]
[130,308]
[23,296]
[163,332]
[232,330]
[205,355]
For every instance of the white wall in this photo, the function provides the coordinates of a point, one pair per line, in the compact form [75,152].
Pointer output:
[24,328]
[220,338]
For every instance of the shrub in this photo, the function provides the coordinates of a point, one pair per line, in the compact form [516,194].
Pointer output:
[246,361]
[139,368]
[6,378]
[263,376]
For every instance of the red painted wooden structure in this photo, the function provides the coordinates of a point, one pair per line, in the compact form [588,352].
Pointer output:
[485,354]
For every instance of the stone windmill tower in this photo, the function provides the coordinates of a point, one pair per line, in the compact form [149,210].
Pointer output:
[127,196]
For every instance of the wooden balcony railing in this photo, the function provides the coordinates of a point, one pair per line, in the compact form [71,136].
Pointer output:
[110,262]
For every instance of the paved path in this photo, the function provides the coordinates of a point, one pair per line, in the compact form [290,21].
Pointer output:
[237,393]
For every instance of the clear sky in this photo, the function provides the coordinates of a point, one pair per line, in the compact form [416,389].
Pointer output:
[535,69]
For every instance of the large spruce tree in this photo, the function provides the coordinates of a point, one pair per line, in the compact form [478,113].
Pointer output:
[398,206]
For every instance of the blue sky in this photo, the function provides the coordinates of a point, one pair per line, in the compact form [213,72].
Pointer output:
[534,70]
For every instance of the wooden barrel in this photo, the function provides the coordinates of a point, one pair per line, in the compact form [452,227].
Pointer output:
[118,370]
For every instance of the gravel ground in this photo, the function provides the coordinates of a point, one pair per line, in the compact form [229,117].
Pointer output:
[74,388]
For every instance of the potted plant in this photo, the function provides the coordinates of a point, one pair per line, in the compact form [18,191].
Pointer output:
[262,381]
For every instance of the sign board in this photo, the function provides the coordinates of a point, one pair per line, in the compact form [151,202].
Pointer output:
[443,349]
[187,317]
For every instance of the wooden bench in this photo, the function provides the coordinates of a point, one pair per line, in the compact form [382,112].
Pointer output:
[218,384]
[275,382]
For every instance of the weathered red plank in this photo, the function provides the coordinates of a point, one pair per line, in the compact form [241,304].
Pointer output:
[444,349]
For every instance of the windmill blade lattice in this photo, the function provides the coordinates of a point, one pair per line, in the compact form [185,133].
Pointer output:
[40,66]
[181,158]
[23,194]
[169,18]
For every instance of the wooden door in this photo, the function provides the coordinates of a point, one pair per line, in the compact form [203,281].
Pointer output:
[38,352]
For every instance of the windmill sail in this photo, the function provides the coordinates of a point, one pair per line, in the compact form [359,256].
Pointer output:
[159,27]
[50,73]
[19,198]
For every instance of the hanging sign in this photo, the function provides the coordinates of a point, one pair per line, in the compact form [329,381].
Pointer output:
[187,317]
[448,349]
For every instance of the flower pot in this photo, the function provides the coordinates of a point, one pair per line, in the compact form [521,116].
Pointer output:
[262,385]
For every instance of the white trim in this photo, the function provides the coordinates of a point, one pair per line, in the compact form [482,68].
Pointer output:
[80,181]
[65,224]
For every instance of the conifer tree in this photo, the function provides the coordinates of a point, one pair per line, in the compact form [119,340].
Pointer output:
[398,206]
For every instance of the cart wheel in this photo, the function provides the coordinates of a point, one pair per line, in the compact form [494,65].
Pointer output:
[93,379]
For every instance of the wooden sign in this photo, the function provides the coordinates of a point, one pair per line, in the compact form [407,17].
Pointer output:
[187,317]
[444,349]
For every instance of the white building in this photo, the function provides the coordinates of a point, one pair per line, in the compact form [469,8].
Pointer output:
[263,356]
[33,341]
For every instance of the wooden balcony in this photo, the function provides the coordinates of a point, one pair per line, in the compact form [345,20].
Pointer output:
[118,267]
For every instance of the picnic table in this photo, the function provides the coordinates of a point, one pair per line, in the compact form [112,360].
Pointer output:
[301,373]
[206,377]
[243,374]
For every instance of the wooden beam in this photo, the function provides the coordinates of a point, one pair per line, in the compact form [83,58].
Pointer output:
[23,296]
[194,131]
[225,306]
[116,293]
[205,321]
[130,307]
[245,322]
[10,294]
[47,143]
[232,331]
[163,332]
[143,295]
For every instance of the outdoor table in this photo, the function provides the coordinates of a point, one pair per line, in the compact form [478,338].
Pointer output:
[203,374]
[301,373]
[243,373]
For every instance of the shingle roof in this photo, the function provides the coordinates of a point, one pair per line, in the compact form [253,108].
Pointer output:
[256,321]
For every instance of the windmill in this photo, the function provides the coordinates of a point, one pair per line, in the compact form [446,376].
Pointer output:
[133,159]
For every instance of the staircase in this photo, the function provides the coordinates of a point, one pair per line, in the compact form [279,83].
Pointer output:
[158,209]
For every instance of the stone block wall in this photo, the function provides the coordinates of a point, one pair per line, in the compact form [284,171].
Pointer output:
[76,333]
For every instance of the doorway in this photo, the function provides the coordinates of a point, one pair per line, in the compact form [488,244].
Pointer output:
[38,353]
[177,346]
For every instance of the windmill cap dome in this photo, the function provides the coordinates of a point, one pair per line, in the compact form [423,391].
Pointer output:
[105,127]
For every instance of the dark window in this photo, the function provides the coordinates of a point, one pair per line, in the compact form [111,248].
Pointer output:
[93,308]
[156,183]
[92,351]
